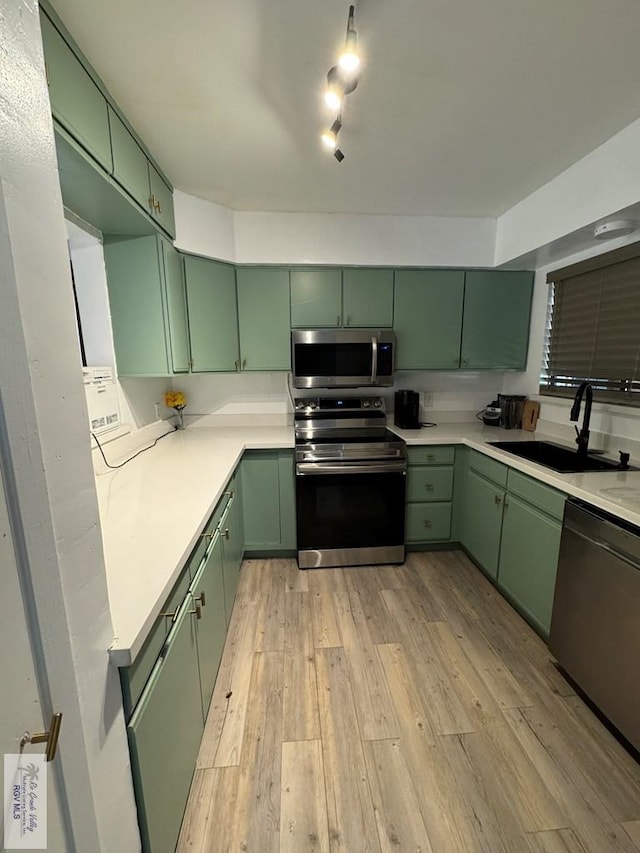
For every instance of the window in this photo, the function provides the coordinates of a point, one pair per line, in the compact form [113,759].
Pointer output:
[593,328]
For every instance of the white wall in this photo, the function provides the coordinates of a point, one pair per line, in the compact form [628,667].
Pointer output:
[204,228]
[46,448]
[604,182]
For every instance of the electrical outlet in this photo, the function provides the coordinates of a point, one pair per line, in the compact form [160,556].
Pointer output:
[157,405]
[427,401]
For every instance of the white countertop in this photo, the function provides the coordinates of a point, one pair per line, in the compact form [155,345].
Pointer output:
[153,510]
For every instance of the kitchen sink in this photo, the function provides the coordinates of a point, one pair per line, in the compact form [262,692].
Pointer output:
[558,458]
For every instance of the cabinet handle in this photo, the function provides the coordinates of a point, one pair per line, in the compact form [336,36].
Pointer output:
[173,615]
[237,364]
[244,363]
[428,487]
[338,320]
[208,536]
[426,522]
[157,206]
[431,457]
[230,494]
[348,319]
[197,611]
[456,361]
[50,737]
[191,363]
[201,598]
[152,202]
[226,534]
[506,504]
[497,500]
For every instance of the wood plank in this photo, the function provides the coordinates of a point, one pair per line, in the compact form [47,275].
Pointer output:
[438,693]
[447,824]
[300,698]
[555,841]
[208,821]
[482,797]
[303,811]
[400,824]
[322,585]
[296,580]
[352,824]
[224,729]
[269,616]
[594,771]
[257,812]
[583,812]
[364,587]
[372,698]
[632,828]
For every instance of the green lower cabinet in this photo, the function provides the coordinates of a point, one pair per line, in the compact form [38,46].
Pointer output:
[529,560]
[231,537]
[164,736]
[482,528]
[208,593]
[268,500]
[428,522]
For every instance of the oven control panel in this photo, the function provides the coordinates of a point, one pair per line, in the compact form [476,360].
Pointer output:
[328,405]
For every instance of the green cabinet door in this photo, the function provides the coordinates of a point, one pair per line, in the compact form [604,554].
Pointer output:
[483,504]
[367,297]
[76,101]
[164,736]
[428,318]
[268,500]
[263,318]
[207,591]
[316,298]
[231,538]
[529,559]
[130,167]
[176,307]
[497,309]
[138,306]
[162,194]
[213,315]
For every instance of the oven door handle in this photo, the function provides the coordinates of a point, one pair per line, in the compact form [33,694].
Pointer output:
[374,359]
[305,468]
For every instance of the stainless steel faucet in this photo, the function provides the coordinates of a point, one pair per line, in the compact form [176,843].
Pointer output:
[582,435]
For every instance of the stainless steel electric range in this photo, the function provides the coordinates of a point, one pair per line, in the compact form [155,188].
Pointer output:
[350,483]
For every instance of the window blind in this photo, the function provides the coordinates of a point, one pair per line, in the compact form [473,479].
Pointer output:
[593,330]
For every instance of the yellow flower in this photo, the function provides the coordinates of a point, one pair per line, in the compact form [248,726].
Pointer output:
[175,400]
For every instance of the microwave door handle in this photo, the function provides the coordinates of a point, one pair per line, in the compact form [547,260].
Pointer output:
[374,359]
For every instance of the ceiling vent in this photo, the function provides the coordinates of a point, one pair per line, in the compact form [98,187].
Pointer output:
[615,228]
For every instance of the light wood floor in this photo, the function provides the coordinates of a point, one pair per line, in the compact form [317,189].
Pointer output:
[399,708]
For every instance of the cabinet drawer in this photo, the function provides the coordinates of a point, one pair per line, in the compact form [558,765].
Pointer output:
[426,483]
[544,497]
[489,468]
[431,455]
[428,521]
[134,677]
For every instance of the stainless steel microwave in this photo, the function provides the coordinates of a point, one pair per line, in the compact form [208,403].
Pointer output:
[342,358]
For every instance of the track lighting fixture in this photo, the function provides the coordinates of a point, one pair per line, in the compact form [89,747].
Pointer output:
[341,80]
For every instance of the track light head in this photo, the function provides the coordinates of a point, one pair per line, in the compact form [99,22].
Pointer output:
[338,155]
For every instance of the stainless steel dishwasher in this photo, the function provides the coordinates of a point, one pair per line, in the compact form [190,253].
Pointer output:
[595,625]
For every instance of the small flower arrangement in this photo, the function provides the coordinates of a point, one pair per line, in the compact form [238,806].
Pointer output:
[176,400]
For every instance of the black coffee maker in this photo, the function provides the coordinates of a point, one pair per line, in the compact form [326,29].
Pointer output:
[406,414]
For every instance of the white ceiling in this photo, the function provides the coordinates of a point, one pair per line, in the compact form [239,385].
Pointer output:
[463,108]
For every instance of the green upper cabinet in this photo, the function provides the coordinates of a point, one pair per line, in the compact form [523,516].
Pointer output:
[130,166]
[176,307]
[213,315]
[263,318]
[147,306]
[76,101]
[428,318]
[161,201]
[495,330]
[367,297]
[316,298]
